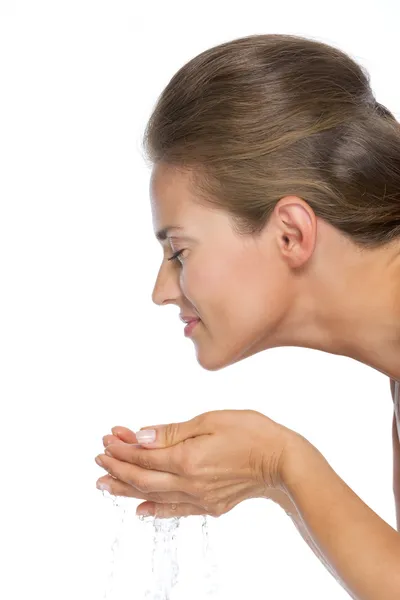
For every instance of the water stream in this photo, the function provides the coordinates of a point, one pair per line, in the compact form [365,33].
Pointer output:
[164,558]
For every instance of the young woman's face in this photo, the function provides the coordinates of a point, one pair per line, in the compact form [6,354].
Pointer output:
[237,285]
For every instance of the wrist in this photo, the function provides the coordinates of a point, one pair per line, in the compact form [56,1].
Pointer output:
[298,453]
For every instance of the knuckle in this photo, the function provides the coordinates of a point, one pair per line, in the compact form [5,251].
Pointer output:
[144,461]
[256,464]
[171,433]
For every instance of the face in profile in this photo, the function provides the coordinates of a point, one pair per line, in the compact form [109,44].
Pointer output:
[236,285]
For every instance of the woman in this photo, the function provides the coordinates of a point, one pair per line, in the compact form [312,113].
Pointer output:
[275,194]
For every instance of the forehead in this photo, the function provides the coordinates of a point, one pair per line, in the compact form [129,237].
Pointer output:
[169,190]
[174,203]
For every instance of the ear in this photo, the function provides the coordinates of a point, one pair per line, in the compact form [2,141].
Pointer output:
[296,226]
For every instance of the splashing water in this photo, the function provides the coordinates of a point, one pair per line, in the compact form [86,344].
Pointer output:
[164,559]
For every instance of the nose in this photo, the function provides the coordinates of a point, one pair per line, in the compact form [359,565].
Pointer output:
[166,289]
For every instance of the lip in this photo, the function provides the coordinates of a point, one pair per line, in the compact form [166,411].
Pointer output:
[190,326]
[188,319]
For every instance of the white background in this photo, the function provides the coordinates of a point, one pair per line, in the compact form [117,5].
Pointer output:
[82,346]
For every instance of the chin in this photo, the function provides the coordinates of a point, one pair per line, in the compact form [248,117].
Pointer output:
[211,365]
[214,358]
[216,362]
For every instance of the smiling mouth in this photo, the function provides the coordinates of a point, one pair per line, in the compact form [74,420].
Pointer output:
[190,326]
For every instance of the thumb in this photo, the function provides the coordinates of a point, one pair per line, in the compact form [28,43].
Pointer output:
[163,436]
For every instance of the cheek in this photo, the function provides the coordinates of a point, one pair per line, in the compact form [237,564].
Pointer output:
[224,293]
[252,298]
[207,285]
[235,295]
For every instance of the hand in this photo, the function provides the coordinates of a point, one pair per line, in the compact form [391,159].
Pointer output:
[206,465]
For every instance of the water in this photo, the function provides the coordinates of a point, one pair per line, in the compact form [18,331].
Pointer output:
[114,548]
[210,566]
[164,559]
[165,565]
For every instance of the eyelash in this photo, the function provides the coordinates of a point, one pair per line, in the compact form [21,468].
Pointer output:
[176,255]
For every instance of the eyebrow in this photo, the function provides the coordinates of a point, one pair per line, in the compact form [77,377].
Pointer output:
[162,234]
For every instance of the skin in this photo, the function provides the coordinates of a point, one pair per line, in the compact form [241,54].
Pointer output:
[299,283]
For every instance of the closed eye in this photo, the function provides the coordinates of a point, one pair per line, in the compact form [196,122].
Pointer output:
[176,255]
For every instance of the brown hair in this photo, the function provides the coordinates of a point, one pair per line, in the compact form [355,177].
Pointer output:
[265,116]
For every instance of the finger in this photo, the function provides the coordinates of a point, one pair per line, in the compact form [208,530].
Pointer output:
[125,434]
[166,511]
[111,439]
[120,488]
[166,460]
[145,480]
[152,426]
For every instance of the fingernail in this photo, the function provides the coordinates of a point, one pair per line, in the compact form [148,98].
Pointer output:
[146,436]
[103,487]
[143,512]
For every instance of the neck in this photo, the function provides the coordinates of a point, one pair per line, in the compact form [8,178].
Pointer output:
[354,313]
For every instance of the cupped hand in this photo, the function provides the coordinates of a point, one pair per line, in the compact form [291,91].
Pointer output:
[206,465]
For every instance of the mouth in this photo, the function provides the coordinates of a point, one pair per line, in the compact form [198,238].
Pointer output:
[190,326]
